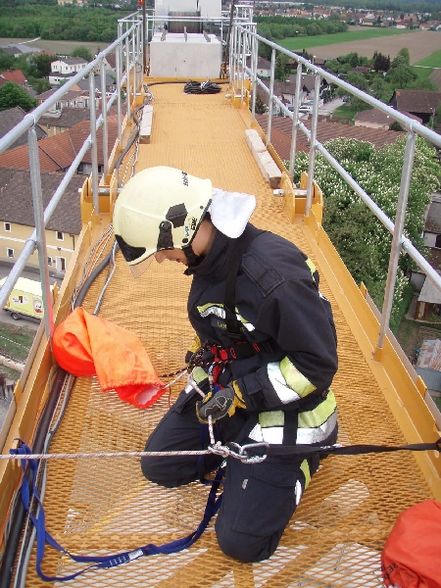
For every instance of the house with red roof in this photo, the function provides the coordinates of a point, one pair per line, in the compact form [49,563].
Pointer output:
[13,75]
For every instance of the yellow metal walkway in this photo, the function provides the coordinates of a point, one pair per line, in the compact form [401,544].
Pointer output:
[104,506]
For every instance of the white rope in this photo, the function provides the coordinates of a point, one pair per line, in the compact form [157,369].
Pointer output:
[103,454]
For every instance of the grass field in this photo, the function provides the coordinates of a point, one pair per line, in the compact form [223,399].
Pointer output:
[433,60]
[15,341]
[59,47]
[296,43]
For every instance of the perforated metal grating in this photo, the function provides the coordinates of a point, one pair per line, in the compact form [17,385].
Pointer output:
[105,506]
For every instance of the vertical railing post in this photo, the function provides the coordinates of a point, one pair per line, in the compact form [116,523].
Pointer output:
[118,88]
[144,38]
[406,174]
[242,86]
[255,60]
[295,121]
[128,102]
[230,55]
[104,113]
[134,62]
[312,147]
[234,52]
[93,147]
[34,163]
[271,96]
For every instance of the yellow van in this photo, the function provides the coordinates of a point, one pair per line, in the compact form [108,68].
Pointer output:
[25,300]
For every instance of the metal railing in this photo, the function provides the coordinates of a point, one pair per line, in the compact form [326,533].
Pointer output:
[244,37]
[127,45]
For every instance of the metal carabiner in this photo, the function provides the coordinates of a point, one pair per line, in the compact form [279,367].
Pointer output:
[253,458]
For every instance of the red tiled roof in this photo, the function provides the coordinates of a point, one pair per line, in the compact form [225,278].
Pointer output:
[58,152]
[374,116]
[417,101]
[13,75]
[282,128]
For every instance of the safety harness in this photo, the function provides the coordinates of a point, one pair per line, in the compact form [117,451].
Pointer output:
[218,356]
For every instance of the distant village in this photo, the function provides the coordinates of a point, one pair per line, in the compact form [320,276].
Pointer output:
[352,16]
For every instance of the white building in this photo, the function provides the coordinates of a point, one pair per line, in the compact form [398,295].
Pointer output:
[64,68]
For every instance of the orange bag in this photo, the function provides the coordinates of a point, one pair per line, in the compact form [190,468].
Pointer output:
[85,345]
[412,554]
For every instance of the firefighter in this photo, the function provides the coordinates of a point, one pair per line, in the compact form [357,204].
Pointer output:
[266,352]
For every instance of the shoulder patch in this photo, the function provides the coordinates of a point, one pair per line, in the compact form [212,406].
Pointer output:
[266,278]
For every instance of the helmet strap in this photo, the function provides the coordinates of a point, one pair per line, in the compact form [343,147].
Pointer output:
[191,256]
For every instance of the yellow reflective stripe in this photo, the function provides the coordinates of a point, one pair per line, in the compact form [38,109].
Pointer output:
[272,418]
[196,344]
[295,379]
[218,310]
[304,466]
[320,414]
[311,266]
[238,398]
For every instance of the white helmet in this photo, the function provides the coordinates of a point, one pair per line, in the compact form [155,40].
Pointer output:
[159,208]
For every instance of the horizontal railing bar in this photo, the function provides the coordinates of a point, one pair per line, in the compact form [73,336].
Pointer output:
[408,123]
[405,243]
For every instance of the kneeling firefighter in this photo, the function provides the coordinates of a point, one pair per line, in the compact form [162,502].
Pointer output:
[266,354]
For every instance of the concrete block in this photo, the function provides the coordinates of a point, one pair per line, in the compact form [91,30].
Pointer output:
[254,141]
[145,127]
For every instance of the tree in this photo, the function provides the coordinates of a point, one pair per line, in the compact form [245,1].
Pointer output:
[401,75]
[282,69]
[82,52]
[7,61]
[40,65]
[360,238]
[14,95]
[380,62]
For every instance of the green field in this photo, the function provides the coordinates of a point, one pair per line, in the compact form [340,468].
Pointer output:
[296,43]
[433,60]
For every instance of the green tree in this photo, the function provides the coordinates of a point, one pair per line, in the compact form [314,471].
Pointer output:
[7,61]
[282,69]
[360,238]
[39,65]
[14,95]
[82,52]
[380,62]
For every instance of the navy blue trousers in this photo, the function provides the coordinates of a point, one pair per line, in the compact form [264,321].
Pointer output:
[258,499]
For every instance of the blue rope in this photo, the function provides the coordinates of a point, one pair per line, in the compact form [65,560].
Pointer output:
[29,491]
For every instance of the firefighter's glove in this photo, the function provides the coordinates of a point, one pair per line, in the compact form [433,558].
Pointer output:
[219,404]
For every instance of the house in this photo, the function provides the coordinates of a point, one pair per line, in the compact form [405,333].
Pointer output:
[64,119]
[326,130]
[19,49]
[376,119]
[17,218]
[65,68]
[13,75]
[67,118]
[11,117]
[286,91]
[74,98]
[428,366]
[58,152]
[432,226]
[373,119]
[421,103]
